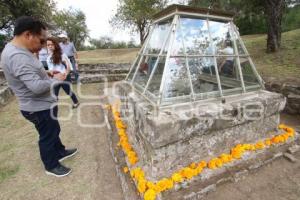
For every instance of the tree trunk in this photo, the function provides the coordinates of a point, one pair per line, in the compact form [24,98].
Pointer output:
[142,31]
[274,11]
[142,37]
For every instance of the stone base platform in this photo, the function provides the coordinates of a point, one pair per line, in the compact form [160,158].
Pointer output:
[171,138]
[166,141]
[207,181]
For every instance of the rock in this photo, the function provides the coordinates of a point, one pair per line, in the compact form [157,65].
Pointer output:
[291,90]
[294,149]
[290,157]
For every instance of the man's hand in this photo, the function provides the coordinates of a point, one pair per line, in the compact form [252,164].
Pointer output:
[50,73]
[59,76]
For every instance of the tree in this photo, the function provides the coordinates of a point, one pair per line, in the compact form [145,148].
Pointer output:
[73,22]
[137,14]
[271,10]
[10,10]
[106,42]
[103,42]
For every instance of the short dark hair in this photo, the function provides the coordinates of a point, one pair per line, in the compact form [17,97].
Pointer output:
[30,24]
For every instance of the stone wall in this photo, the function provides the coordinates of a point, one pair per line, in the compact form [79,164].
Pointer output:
[104,72]
[290,89]
[175,137]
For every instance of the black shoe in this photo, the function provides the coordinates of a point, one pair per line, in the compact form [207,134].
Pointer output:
[75,105]
[67,154]
[59,171]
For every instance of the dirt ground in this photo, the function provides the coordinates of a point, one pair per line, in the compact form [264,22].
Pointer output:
[22,174]
[94,177]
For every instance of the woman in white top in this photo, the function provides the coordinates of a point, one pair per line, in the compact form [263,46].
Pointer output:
[59,63]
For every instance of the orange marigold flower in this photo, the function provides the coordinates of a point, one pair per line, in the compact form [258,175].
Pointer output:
[203,164]
[120,125]
[252,147]
[187,173]
[193,166]
[289,129]
[125,169]
[164,184]
[219,162]
[275,140]
[236,153]
[259,145]
[226,158]
[142,186]
[169,183]
[199,169]
[281,138]
[121,132]
[268,142]
[285,136]
[150,195]
[152,186]
[212,164]
[177,178]
[282,126]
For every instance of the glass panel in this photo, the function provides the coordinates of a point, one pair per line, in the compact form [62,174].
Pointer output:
[249,76]
[131,73]
[235,37]
[177,80]
[155,83]
[194,32]
[229,74]
[165,51]
[222,40]
[159,35]
[203,75]
[144,71]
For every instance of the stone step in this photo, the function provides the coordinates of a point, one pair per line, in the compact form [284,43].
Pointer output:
[103,71]
[107,66]
[99,78]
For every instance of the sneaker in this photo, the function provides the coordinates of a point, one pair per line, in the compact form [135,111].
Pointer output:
[75,105]
[59,171]
[68,153]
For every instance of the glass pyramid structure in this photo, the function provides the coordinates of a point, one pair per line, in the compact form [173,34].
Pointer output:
[192,54]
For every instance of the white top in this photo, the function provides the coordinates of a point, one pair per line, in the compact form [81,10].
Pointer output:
[59,67]
[228,51]
[43,54]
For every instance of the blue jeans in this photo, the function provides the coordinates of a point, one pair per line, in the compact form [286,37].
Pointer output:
[50,145]
[67,88]
[74,71]
[227,68]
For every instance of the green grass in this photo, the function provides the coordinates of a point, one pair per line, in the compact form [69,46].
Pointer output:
[282,65]
[107,56]
[7,172]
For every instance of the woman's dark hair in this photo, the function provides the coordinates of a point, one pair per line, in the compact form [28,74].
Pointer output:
[57,52]
[30,24]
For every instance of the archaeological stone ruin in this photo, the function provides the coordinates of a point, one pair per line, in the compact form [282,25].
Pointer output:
[193,93]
